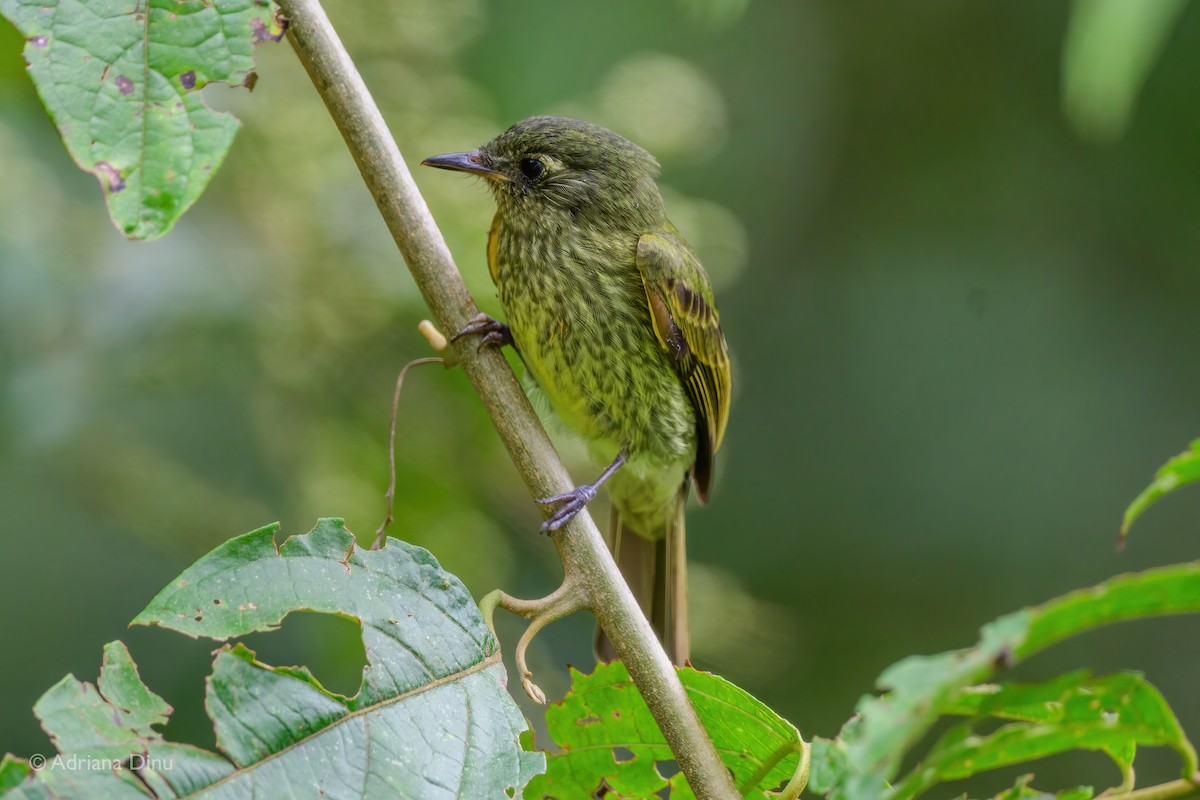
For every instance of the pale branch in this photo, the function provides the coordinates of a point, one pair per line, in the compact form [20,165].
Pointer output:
[1164,791]
[568,598]
[585,557]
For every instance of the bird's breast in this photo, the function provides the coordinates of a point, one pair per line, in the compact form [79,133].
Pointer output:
[578,313]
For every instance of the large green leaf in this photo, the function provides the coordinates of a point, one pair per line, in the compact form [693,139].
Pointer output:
[1166,590]
[1113,714]
[1179,471]
[432,718]
[122,79]
[608,738]
[1073,712]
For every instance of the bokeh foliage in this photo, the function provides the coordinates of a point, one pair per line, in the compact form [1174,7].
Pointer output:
[963,339]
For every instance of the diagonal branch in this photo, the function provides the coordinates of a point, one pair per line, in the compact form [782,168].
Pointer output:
[584,555]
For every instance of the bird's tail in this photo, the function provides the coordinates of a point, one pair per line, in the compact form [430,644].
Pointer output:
[656,571]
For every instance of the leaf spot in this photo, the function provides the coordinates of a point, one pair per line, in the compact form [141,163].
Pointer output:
[1003,659]
[188,79]
[38,41]
[113,181]
[124,84]
[262,34]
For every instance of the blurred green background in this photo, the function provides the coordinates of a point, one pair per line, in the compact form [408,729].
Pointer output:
[965,336]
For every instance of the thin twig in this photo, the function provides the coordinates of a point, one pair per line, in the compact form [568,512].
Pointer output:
[566,599]
[579,543]
[381,533]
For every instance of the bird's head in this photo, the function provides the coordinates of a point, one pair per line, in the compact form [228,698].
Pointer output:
[548,164]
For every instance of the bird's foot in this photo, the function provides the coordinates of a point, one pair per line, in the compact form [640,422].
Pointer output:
[572,502]
[569,504]
[494,333]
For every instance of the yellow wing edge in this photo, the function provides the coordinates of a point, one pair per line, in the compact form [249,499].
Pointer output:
[688,326]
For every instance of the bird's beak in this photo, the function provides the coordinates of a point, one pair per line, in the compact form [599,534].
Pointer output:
[471,162]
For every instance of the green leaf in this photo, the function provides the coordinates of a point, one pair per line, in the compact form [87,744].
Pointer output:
[1021,790]
[122,79]
[13,771]
[103,735]
[1077,793]
[1110,48]
[1166,590]
[1179,471]
[832,773]
[921,689]
[608,737]
[1074,712]
[432,718]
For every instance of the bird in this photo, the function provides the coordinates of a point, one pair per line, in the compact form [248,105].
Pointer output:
[615,321]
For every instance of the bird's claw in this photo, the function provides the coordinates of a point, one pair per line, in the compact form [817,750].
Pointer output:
[494,333]
[569,504]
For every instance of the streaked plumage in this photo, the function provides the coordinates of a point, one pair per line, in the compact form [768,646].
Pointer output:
[615,320]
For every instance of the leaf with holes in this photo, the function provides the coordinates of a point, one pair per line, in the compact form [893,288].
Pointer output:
[1114,714]
[432,717]
[122,79]
[608,738]
[920,690]
[1179,471]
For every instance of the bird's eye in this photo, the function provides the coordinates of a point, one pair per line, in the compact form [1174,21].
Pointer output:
[531,168]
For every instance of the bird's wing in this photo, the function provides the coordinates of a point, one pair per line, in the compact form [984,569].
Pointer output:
[689,328]
[493,249]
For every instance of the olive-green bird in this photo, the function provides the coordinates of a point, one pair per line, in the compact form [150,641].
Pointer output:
[615,320]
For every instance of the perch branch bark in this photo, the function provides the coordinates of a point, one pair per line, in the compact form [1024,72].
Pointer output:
[584,555]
